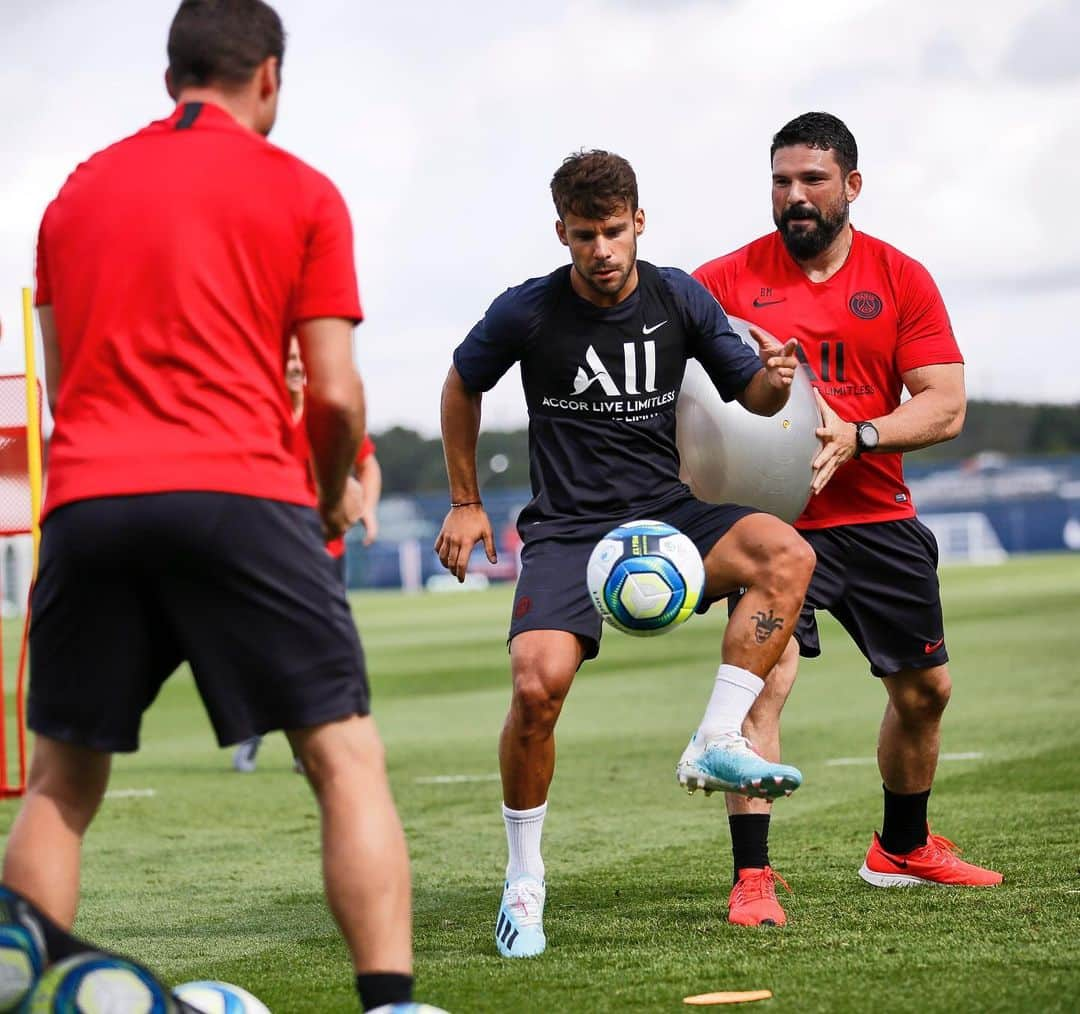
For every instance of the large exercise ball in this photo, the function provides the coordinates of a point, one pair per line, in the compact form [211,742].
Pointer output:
[730,455]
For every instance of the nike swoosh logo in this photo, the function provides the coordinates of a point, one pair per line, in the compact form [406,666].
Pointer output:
[655,327]
[769,302]
[931,648]
[900,863]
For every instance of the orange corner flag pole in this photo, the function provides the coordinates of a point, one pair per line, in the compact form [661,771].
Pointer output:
[33,422]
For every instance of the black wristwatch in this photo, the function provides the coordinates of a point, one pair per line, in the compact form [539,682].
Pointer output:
[866,437]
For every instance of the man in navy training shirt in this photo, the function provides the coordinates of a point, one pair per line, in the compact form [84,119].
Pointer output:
[603,343]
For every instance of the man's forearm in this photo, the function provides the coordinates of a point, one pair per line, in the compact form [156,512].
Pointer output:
[761,398]
[460,430]
[928,418]
[335,431]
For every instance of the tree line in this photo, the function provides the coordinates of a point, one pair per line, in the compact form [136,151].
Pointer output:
[412,463]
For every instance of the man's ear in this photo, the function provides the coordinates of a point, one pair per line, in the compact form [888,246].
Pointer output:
[853,184]
[560,231]
[169,86]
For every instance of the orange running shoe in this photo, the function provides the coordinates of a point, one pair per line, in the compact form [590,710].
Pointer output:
[753,898]
[933,864]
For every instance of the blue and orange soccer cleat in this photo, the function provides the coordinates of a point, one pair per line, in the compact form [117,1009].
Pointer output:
[519,929]
[934,864]
[729,764]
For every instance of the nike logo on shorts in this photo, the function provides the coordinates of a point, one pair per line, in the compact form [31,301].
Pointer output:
[931,648]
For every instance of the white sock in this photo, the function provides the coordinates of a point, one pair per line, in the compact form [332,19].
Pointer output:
[523,829]
[733,695]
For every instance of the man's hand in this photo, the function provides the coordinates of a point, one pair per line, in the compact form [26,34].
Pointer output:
[371,525]
[338,518]
[780,361]
[838,444]
[462,529]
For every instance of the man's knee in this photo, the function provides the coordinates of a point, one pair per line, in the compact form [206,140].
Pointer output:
[344,748]
[540,687]
[72,778]
[921,695]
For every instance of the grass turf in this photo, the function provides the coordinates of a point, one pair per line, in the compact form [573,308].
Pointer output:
[216,875]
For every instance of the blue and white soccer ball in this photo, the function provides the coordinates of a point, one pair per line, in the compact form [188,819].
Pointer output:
[645,578]
[219,998]
[94,983]
[22,959]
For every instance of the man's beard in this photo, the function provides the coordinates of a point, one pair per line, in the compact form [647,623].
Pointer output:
[805,244]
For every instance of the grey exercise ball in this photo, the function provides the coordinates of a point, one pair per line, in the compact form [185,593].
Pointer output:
[730,455]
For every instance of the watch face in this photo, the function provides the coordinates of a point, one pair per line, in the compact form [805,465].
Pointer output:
[868,436]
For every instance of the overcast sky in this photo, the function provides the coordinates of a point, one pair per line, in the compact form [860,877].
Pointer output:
[442,124]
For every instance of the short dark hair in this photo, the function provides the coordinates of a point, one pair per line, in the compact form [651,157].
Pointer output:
[820,130]
[221,42]
[594,184]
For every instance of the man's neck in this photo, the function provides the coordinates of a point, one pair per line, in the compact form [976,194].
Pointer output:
[236,104]
[822,267]
[297,405]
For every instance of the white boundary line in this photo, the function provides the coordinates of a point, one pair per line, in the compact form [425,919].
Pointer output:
[455,779]
[130,793]
[843,762]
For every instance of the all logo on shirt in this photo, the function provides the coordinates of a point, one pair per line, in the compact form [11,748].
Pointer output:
[866,304]
[600,375]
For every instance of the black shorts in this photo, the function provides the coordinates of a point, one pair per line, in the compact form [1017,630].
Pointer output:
[880,582]
[241,588]
[551,591]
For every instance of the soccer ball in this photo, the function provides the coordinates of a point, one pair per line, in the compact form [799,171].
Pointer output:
[22,957]
[729,455]
[219,998]
[94,983]
[645,578]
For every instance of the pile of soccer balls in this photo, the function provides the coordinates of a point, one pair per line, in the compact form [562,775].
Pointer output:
[96,983]
[645,578]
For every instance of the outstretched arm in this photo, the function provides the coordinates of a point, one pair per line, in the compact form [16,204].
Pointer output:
[770,387]
[467,523]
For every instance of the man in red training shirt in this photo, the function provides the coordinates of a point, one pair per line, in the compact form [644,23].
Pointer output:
[869,321]
[179,525]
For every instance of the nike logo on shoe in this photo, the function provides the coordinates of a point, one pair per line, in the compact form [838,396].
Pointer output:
[655,327]
[899,863]
[759,303]
[931,648]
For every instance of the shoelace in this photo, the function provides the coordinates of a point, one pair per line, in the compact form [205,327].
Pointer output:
[949,851]
[526,901]
[732,741]
[760,886]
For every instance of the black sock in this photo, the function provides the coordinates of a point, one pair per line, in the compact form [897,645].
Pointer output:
[749,840]
[904,825]
[378,988]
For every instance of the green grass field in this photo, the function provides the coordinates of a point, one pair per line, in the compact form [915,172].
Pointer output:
[216,875]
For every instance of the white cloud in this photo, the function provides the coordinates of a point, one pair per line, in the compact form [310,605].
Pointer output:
[442,126]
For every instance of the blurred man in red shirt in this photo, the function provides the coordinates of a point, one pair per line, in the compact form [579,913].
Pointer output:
[362,491]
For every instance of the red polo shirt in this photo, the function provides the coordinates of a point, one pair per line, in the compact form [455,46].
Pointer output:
[178,262]
[859,332]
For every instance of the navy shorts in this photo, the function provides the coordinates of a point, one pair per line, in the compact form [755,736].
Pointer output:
[241,588]
[880,582]
[551,591]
